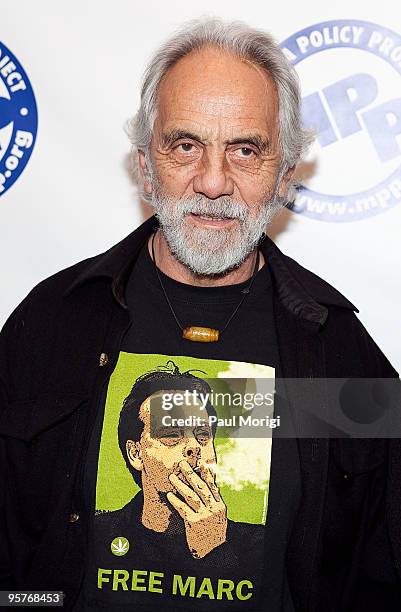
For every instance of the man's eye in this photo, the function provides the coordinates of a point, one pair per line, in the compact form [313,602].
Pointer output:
[172,434]
[203,436]
[186,147]
[170,438]
[246,152]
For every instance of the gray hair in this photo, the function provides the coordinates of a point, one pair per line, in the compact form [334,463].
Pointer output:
[244,42]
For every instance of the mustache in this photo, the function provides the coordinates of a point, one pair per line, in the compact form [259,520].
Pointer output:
[223,207]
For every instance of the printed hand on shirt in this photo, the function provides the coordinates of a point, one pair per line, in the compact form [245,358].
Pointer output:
[203,511]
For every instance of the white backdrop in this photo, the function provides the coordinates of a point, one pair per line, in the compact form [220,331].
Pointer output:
[75,198]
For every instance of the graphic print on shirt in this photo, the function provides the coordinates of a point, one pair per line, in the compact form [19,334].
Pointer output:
[180,508]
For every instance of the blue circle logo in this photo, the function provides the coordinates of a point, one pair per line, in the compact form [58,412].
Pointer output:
[18,119]
[350,73]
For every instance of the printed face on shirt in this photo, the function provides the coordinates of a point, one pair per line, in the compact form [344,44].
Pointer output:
[162,446]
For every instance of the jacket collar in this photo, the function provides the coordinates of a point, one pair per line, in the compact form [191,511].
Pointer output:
[303,293]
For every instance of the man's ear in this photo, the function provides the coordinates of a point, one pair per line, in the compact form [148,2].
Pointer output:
[283,189]
[143,167]
[134,454]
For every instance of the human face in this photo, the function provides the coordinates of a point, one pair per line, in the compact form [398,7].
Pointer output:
[215,157]
[160,449]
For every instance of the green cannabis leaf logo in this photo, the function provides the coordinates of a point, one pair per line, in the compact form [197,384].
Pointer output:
[119,546]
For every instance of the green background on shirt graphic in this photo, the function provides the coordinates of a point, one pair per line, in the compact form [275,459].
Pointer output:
[243,464]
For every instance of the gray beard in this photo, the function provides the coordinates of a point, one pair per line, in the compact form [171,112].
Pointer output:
[212,251]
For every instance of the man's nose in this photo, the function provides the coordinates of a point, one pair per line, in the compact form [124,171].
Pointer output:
[213,179]
[192,450]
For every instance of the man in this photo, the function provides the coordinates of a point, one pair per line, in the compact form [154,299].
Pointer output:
[217,137]
[174,468]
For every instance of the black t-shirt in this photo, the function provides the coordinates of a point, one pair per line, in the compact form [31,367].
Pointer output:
[143,563]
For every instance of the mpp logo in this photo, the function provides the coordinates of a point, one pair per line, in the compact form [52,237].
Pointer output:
[18,119]
[350,73]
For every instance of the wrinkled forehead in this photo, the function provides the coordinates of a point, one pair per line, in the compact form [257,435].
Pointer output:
[209,85]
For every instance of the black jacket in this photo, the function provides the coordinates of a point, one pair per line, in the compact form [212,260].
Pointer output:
[342,554]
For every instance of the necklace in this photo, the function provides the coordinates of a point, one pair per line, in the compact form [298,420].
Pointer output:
[204,334]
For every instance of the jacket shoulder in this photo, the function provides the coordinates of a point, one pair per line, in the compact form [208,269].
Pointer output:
[59,282]
[34,314]
[322,291]
[50,289]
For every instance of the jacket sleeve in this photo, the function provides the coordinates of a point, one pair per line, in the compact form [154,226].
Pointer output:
[9,347]
[378,585]
[379,582]
[380,576]
[359,563]
[5,564]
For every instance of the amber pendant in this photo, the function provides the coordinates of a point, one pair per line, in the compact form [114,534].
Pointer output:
[200,334]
